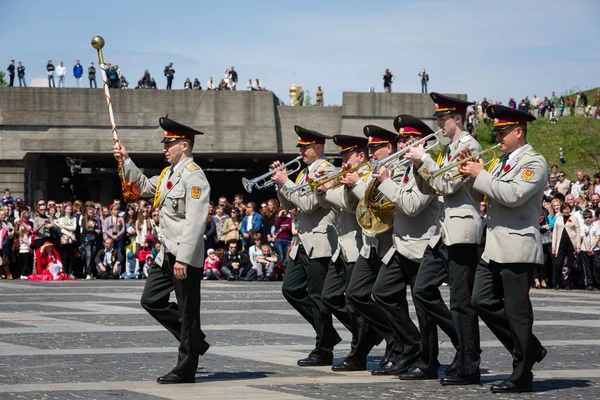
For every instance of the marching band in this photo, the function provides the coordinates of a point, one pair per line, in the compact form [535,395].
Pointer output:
[393,217]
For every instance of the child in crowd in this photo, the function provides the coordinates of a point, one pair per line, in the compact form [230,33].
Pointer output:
[25,251]
[155,250]
[132,267]
[144,250]
[590,250]
[211,266]
[147,265]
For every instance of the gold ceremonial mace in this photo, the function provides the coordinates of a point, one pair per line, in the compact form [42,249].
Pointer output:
[130,193]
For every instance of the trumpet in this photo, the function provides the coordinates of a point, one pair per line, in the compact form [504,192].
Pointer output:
[449,176]
[263,181]
[397,159]
[309,186]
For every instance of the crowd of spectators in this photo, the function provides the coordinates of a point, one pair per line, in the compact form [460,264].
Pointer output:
[95,241]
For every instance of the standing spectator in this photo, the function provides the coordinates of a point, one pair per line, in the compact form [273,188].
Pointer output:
[535,103]
[231,228]
[146,78]
[388,79]
[187,85]
[25,250]
[68,239]
[219,218]
[577,185]
[300,96]
[143,226]
[563,185]
[42,226]
[78,74]
[50,69]
[424,79]
[211,229]
[591,247]
[566,241]
[21,75]
[211,266]
[233,78]
[90,235]
[251,224]
[170,74]
[11,73]
[283,234]
[61,72]
[92,75]
[269,216]
[210,85]
[319,94]
[113,76]
[512,103]
[196,85]
[114,227]
[561,106]
[130,232]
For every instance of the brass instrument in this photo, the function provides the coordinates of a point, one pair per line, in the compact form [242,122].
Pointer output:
[375,213]
[446,172]
[258,183]
[314,185]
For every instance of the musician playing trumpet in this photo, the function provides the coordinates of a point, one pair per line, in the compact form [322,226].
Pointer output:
[311,251]
[415,223]
[353,151]
[382,143]
[452,257]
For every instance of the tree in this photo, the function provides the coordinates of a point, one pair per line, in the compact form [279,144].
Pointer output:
[307,99]
[2,81]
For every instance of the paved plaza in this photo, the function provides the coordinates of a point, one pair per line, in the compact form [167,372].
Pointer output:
[92,340]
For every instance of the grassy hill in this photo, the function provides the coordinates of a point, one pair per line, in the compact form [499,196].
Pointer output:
[578,137]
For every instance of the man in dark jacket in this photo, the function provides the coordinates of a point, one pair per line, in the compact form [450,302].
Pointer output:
[109,261]
[11,73]
[92,75]
[21,74]
[235,264]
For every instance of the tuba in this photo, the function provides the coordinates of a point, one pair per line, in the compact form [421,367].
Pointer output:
[375,213]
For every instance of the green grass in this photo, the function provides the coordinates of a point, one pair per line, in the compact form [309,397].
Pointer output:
[578,137]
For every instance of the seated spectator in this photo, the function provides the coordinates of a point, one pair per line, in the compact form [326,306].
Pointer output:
[235,264]
[187,85]
[211,266]
[269,261]
[196,85]
[124,83]
[256,269]
[108,261]
[147,265]
[48,264]
[210,85]
[7,198]
[144,250]
[223,85]
[155,249]
[250,86]
[132,267]
[258,85]
[152,84]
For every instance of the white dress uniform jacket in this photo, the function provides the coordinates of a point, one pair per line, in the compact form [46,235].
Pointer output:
[458,214]
[316,230]
[183,208]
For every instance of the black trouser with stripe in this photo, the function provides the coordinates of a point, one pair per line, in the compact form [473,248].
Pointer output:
[501,297]
[389,292]
[182,319]
[360,289]
[457,263]
[302,288]
[364,338]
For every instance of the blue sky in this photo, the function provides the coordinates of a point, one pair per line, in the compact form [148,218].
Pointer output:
[496,49]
